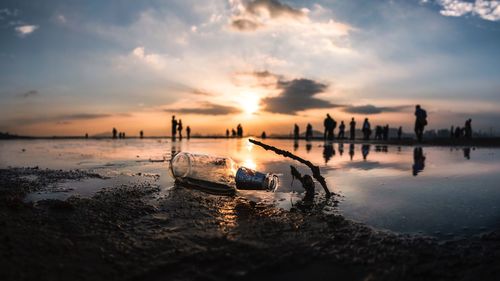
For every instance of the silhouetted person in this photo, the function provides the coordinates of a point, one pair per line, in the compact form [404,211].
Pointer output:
[468,128]
[328,152]
[233,133]
[420,122]
[330,125]
[141,134]
[341,130]
[352,129]
[309,131]
[365,150]
[188,132]
[86,136]
[458,132]
[239,130]
[123,135]
[179,128]
[367,131]
[115,132]
[296,132]
[351,150]
[400,132]
[174,127]
[418,160]
[227,133]
[378,132]
[466,153]
[385,132]
[263,135]
[452,132]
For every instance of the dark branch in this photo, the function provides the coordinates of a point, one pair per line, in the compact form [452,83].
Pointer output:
[315,169]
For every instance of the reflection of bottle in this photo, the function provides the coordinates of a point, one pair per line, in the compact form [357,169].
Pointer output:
[218,174]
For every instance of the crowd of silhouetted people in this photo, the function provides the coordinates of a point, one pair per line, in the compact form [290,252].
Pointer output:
[380,132]
[177,128]
[464,132]
[238,132]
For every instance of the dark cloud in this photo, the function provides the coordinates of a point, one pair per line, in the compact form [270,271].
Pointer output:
[249,19]
[200,93]
[245,24]
[29,94]
[372,109]
[207,108]
[60,119]
[297,95]
[83,116]
[273,7]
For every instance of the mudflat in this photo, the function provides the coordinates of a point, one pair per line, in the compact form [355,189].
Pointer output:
[139,232]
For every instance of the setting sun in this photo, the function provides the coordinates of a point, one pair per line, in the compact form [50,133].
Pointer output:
[249,103]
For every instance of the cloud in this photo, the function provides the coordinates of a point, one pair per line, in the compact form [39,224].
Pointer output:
[29,94]
[25,30]
[151,59]
[60,119]
[372,109]
[485,9]
[251,15]
[207,108]
[296,95]
[245,25]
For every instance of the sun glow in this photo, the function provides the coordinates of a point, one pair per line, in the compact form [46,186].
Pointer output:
[250,103]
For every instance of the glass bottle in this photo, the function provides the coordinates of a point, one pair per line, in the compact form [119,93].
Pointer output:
[219,175]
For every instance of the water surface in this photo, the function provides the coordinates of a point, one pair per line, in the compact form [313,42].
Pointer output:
[438,191]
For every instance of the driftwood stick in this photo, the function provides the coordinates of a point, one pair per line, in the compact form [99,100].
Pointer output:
[315,169]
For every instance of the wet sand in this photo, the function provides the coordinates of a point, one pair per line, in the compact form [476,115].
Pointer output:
[140,232]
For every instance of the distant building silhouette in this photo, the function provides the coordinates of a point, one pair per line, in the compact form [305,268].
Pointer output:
[188,132]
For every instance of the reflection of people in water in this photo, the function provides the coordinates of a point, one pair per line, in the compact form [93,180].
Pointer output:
[308,147]
[418,160]
[295,145]
[328,152]
[365,150]
[341,148]
[351,150]
[466,153]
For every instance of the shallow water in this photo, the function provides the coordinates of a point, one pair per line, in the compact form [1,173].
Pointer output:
[438,191]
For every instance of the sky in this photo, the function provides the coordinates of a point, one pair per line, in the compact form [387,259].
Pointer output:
[73,67]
